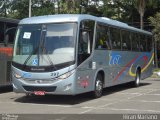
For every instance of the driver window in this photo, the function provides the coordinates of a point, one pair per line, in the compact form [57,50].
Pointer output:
[85,40]
[84,43]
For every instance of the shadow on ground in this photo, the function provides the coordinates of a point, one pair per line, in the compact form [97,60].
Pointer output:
[72,100]
[4,89]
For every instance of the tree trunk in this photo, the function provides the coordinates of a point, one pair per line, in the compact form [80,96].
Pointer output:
[141,10]
[58,7]
[155,54]
[141,21]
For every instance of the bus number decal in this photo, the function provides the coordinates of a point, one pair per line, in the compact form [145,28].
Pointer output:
[55,74]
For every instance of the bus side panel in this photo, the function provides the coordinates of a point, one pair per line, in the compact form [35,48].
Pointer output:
[84,79]
[102,58]
[147,71]
[87,71]
[120,66]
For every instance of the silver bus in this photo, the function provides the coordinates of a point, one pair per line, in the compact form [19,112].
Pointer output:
[73,54]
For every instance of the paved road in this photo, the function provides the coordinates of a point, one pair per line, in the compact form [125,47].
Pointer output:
[122,99]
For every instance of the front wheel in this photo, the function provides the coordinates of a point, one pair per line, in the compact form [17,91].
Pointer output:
[98,87]
[28,95]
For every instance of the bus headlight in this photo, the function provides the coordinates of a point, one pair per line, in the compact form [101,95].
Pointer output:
[66,75]
[16,75]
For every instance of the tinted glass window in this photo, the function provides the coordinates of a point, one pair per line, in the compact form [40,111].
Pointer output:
[135,42]
[115,38]
[149,43]
[9,35]
[143,43]
[85,40]
[102,37]
[126,41]
[55,43]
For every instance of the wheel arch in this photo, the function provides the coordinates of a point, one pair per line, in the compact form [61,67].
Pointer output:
[138,69]
[102,73]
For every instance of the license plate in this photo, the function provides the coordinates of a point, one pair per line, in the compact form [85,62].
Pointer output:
[39,92]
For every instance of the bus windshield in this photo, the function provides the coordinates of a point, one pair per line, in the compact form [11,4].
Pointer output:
[45,44]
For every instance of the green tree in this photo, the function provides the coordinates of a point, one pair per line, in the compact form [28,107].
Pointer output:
[68,6]
[155,22]
[140,5]
[144,8]
[42,7]
[93,7]
[39,7]
[5,7]
[119,9]
[129,11]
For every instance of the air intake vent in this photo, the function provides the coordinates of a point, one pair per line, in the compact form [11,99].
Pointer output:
[40,88]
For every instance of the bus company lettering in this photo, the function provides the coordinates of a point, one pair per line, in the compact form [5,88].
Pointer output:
[114,59]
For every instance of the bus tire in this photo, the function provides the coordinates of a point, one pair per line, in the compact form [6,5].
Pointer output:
[136,82]
[28,95]
[98,88]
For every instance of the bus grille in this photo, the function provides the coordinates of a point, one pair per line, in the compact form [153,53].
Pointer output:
[40,88]
[41,81]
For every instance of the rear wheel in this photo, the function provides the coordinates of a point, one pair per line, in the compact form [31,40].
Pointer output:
[136,83]
[98,87]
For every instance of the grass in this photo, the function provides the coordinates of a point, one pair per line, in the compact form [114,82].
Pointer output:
[155,76]
[156,70]
[155,73]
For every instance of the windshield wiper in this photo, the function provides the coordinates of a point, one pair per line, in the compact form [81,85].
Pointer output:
[48,57]
[44,50]
[33,52]
[41,45]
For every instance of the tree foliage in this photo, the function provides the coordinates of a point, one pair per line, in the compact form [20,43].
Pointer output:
[128,11]
[5,7]
[39,7]
[155,22]
[133,12]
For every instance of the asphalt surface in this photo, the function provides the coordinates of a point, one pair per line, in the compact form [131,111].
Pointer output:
[121,99]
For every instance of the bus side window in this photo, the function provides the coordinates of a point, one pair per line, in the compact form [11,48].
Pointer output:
[135,42]
[102,37]
[126,41]
[115,38]
[149,43]
[9,36]
[84,44]
[85,40]
[143,43]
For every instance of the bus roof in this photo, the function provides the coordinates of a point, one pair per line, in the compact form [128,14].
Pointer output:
[11,20]
[76,18]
